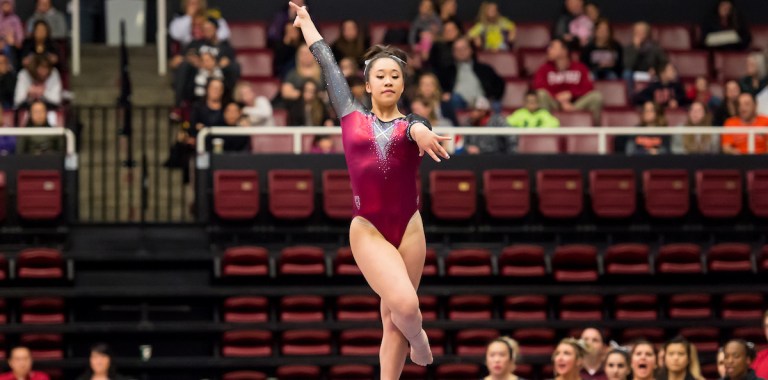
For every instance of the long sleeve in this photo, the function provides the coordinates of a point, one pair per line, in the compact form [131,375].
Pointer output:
[52,93]
[23,82]
[223,32]
[338,89]
[181,29]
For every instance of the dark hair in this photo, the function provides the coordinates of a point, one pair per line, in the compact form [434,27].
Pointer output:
[102,349]
[641,341]
[563,42]
[381,51]
[214,21]
[603,20]
[622,353]
[355,80]
[599,331]
[749,347]
[689,351]
[747,93]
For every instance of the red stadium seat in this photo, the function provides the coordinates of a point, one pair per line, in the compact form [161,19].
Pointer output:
[344,264]
[39,194]
[690,306]
[507,193]
[652,334]
[575,262]
[560,193]
[532,36]
[428,306]
[522,260]
[453,194]
[42,310]
[302,309]
[473,342]
[291,194]
[468,262]
[762,261]
[430,263]
[306,342]
[525,308]
[674,37]
[281,120]
[730,65]
[245,261]
[579,307]
[612,192]
[536,341]
[244,375]
[504,63]
[250,35]
[470,307]
[532,60]
[706,339]
[730,257]
[636,307]
[263,144]
[759,37]
[246,310]
[246,343]
[620,118]
[574,118]
[266,87]
[3,197]
[302,260]
[679,258]
[350,371]
[690,64]
[614,93]
[43,346]
[627,259]
[719,193]
[330,31]
[256,64]
[676,117]
[666,193]
[457,371]
[532,144]
[514,93]
[751,334]
[337,194]
[757,190]
[360,342]
[743,306]
[298,372]
[414,372]
[584,144]
[236,194]
[357,308]
[436,341]
[40,263]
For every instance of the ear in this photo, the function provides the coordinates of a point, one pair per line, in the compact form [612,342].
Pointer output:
[368,87]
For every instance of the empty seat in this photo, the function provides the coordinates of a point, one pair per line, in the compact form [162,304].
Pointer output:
[430,263]
[236,194]
[619,118]
[48,310]
[614,93]
[344,264]
[360,342]
[43,346]
[302,260]
[428,306]
[612,192]
[514,93]
[350,372]
[730,65]
[248,35]
[637,307]
[245,261]
[690,64]
[560,193]
[457,371]
[469,262]
[525,308]
[674,37]
[522,260]
[302,309]
[666,193]
[436,341]
[246,310]
[291,194]
[742,306]
[453,194]
[680,258]
[751,334]
[306,342]
[532,59]
[246,343]
[357,308]
[584,144]
[414,372]
[507,193]
[652,334]
[719,193]
[627,259]
[39,194]
[706,339]
[574,118]
[690,306]
[263,144]
[40,263]
[473,342]
[730,257]
[244,375]
[298,372]
[531,144]
[581,307]
[337,194]
[536,341]
[256,63]
[532,35]
[575,262]
[757,191]
[504,63]
[470,307]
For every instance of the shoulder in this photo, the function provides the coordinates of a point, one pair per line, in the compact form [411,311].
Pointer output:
[733,122]
[762,121]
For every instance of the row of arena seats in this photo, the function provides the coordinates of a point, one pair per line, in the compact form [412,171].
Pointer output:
[38,195]
[508,194]
[32,264]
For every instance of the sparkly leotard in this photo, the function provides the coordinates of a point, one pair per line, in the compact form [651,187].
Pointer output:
[381,159]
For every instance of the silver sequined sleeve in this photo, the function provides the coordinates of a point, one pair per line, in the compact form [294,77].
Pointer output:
[338,89]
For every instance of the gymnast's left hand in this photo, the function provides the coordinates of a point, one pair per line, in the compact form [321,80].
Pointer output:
[429,142]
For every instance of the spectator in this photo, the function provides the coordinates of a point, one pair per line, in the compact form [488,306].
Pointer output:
[20,362]
[481,115]
[592,368]
[492,32]
[747,117]
[55,19]
[429,89]
[532,115]
[574,26]
[101,367]
[309,110]
[441,54]
[351,42]
[680,361]
[256,109]
[651,115]
[39,43]
[448,10]
[426,109]
[729,107]
[738,356]
[38,118]
[700,92]
[233,117]
[322,144]
[209,111]
[726,28]
[697,144]
[603,54]
[357,86]
[349,67]
[306,69]
[424,27]
[11,28]
[756,78]
[210,37]
[642,56]
[500,358]
[7,82]
[667,91]
[592,11]
[721,362]
[568,359]
[760,364]
[563,84]
[617,365]
[180,29]
[278,28]
[643,360]
[41,81]
[209,69]
[285,49]
[466,79]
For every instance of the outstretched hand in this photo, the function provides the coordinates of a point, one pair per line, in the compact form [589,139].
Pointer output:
[302,15]
[429,142]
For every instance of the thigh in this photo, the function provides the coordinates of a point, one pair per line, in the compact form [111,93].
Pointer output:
[589,100]
[413,249]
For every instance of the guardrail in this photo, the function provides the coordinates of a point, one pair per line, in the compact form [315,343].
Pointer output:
[70,162]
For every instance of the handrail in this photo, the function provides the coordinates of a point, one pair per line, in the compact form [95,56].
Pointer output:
[69,137]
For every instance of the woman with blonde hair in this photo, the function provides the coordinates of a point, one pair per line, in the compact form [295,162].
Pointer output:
[492,32]
[429,89]
[501,358]
[568,359]
[306,68]
[698,116]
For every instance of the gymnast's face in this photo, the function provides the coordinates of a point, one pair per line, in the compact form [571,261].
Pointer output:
[385,82]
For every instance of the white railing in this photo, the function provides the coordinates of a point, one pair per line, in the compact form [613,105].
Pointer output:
[70,159]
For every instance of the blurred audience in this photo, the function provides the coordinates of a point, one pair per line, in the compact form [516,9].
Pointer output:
[642,56]
[467,79]
[429,89]
[531,115]
[39,43]
[573,26]
[285,49]
[40,81]
[651,115]
[501,358]
[441,54]
[277,28]
[322,144]
[603,54]
[11,27]
[568,359]
[209,111]
[492,32]
[425,108]
[481,115]
[738,356]
[756,77]
[256,109]
[448,10]
[306,69]
[309,110]
[181,26]
[100,365]
[233,117]
[44,10]
[726,28]
[747,117]
[700,92]
[681,361]
[698,116]
[20,362]
[592,368]
[667,91]
[617,365]
[760,364]
[729,106]
[351,42]
[40,118]
[7,83]
[643,360]
[424,27]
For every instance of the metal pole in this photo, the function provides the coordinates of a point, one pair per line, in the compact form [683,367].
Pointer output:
[76,37]
[162,38]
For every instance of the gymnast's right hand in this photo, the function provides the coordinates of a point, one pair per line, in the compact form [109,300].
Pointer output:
[302,16]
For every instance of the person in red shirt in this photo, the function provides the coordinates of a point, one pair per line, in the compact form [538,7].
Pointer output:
[747,117]
[21,366]
[760,364]
[563,84]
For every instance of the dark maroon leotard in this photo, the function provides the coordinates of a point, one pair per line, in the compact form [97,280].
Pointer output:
[381,159]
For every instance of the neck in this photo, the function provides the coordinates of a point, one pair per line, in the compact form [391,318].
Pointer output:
[592,363]
[676,375]
[502,377]
[749,120]
[642,378]
[21,376]
[385,113]
[562,63]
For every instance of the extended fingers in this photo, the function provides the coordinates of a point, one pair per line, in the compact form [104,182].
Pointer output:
[433,155]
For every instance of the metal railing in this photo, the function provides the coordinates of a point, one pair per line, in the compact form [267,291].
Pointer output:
[70,152]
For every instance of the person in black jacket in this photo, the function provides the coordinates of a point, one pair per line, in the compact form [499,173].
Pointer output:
[726,28]
[100,365]
[39,43]
[666,92]
[738,356]
[603,54]
[7,82]
[467,79]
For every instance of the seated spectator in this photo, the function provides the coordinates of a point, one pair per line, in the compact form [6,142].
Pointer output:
[617,365]
[643,360]
[285,49]
[592,11]
[100,365]
[306,69]
[667,91]
[481,115]
[697,144]
[424,27]
[52,17]
[726,28]
[39,43]
[208,57]
[209,111]
[441,54]
[747,117]
[738,356]
[448,10]
[309,110]
[650,116]
[20,362]
[680,361]
[277,28]
[429,88]
[180,28]
[11,28]
[256,109]
[492,32]
[233,117]
[700,92]
[7,83]
[39,118]
[563,84]
[41,81]
[603,54]
[349,67]
[208,69]
[760,364]
[322,144]
[756,78]
[568,358]
[426,109]
[351,43]
[592,368]
[573,26]
[501,358]
[642,56]
[729,106]
[466,80]
[532,115]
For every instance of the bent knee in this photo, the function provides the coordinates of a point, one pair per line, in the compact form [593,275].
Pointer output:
[405,306]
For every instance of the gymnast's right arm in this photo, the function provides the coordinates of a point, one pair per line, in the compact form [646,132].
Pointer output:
[338,89]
